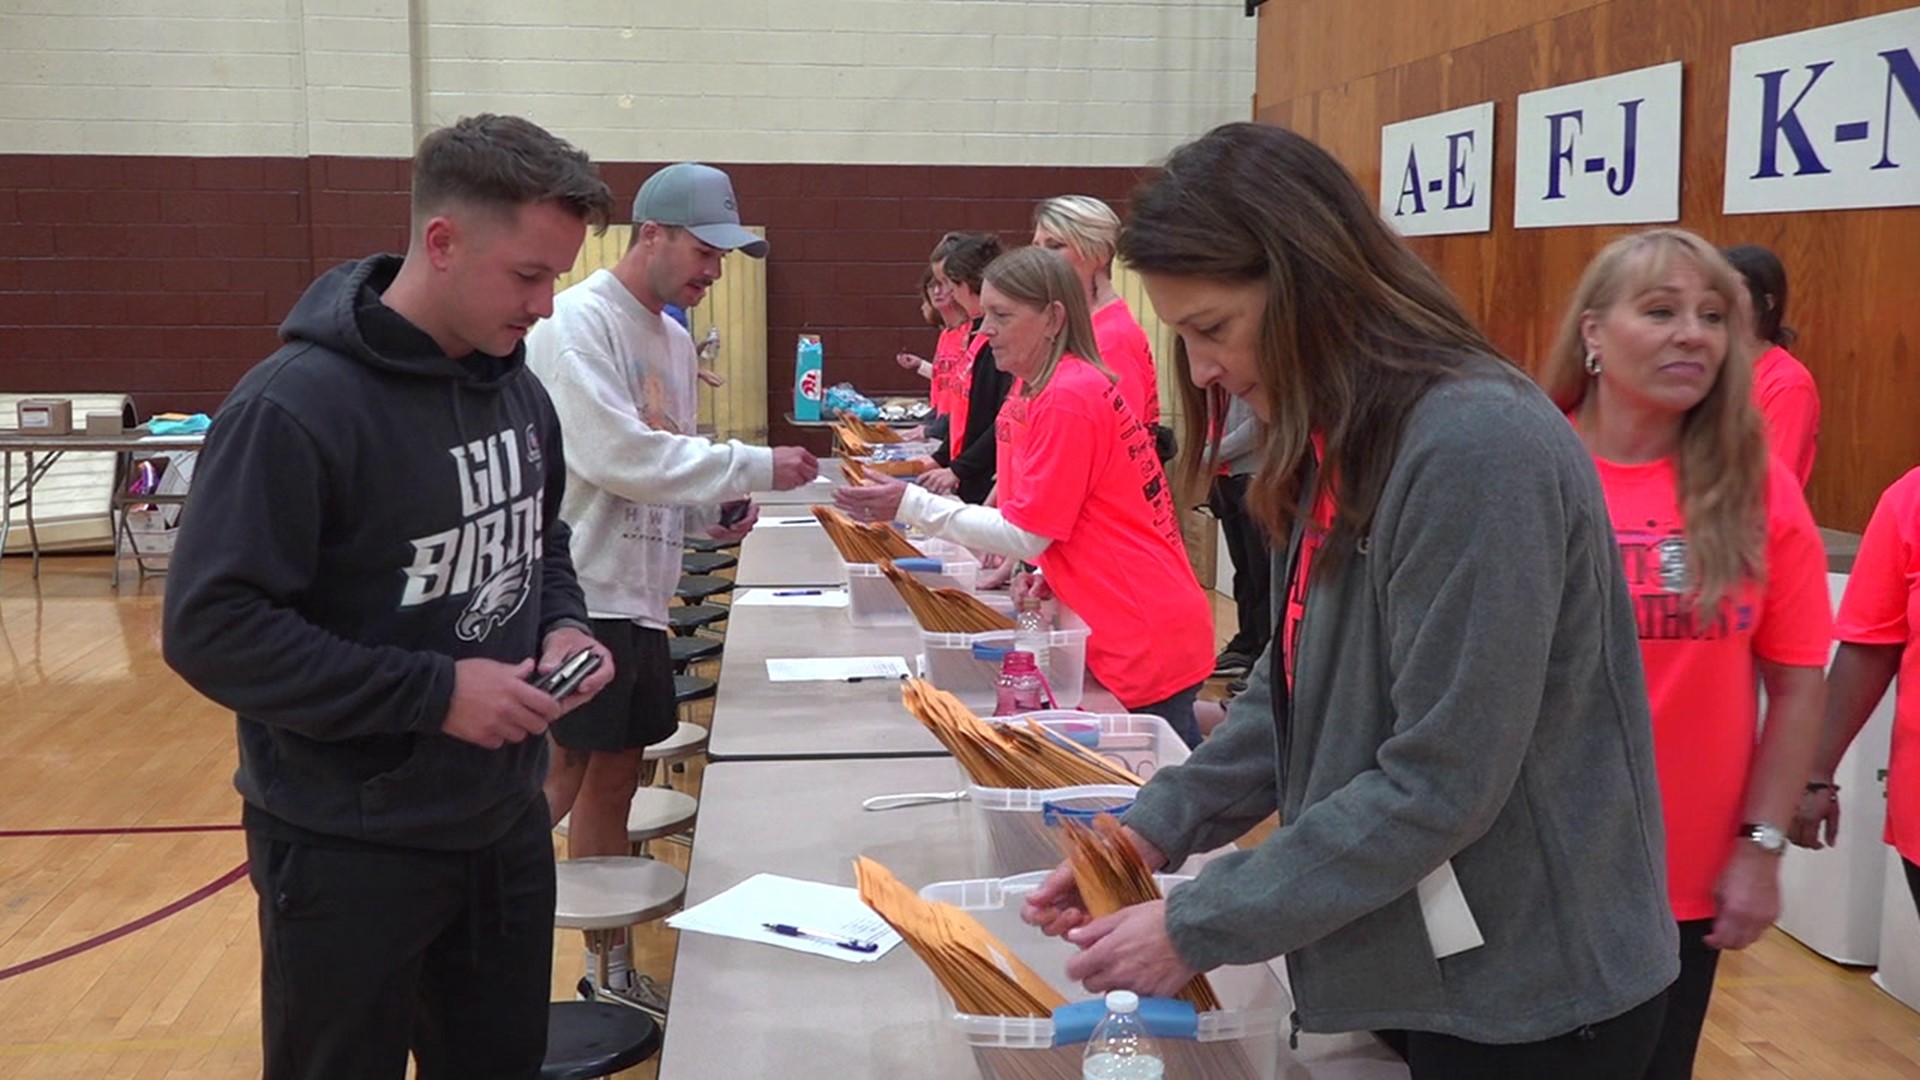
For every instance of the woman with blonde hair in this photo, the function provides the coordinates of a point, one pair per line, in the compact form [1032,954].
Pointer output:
[1082,494]
[1728,580]
[1083,230]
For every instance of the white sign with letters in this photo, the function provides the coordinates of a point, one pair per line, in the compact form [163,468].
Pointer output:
[1601,152]
[1436,173]
[1826,119]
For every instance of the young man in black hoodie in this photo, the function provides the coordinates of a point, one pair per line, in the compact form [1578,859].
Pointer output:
[373,567]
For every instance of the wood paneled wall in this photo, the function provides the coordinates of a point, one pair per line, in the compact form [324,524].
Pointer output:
[1336,71]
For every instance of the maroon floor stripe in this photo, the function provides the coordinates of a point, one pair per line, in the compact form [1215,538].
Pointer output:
[140,923]
[7,834]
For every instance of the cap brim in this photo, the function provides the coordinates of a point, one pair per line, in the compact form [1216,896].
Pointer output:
[730,238]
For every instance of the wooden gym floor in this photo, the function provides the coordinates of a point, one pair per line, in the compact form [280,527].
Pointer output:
[127,939]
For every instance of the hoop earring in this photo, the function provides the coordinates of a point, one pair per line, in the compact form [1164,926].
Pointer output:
[1592,363]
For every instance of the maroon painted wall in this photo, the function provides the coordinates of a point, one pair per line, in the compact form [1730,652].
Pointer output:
[164,277]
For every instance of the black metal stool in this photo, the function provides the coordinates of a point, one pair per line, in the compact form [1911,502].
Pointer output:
[687,618]
[687,651]
[586,1039]
[706,562]
[696,588]
[691,688]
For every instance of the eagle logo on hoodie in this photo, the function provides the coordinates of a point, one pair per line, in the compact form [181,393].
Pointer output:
[496,601]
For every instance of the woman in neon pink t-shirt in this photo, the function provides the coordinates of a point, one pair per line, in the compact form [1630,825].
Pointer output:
[1728,580]
[1783,388]
[1879,631]
[1082,494]
[939,307]
[1083,230]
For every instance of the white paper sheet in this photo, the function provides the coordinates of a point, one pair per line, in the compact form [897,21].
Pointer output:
[837,668]
[822,480]
[796,597]
[832,911]
[1450,923]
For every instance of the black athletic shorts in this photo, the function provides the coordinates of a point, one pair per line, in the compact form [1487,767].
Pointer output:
[636,709]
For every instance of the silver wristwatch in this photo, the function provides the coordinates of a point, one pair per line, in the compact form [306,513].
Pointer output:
[1767,838]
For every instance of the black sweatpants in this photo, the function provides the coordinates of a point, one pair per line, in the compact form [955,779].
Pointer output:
[1616,1049]
[369,953]
[1252,567]
[1687,1004]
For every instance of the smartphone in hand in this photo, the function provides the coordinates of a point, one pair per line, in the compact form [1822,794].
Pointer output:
[564,680]
[734,513]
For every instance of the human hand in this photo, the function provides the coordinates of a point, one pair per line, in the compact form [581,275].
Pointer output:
[793,466]
[1030,585]
[1748,897]
[1817,808]
[908,361]
[493,704]
[563,642]
[913,434]
[996,575]
[940,481]
[1129,950]
[739,528]
[877,500]
[1056,907]
[711,378]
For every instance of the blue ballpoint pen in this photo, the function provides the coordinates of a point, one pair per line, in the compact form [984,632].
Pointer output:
[798,592]
[785,930]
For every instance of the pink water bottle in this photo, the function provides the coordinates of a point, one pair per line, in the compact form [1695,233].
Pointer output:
[1019,689]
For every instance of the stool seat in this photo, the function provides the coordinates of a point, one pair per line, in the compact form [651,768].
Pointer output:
[687,618]
[655,812]
[706,562]
[708,544]
[690,688]
[607,892]
[692,650]
[695,588]
[686,741]
[586,1039]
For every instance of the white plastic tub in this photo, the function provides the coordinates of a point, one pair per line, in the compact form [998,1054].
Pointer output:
[1239,1041]
[1012,834]
[872,600]
[968,665]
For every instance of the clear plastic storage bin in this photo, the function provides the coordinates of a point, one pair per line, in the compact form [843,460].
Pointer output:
[1014,828]
[968,665]
[900,451]
[873,601]
[1239,1041]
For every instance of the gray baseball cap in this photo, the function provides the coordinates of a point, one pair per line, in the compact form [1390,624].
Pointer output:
[698,198]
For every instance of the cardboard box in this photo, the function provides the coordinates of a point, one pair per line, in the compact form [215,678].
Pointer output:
[45,416]
[104,423]
[809,381]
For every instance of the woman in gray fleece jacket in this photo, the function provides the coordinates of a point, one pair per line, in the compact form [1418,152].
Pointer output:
[1452,704]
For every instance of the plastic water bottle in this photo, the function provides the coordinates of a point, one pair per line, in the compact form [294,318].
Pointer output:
[1031,634]
[1120,1048]
[710,347]
[1018,690]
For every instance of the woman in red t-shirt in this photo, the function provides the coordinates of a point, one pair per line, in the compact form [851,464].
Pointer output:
[1083,230]
[1082,494]
[964,465]
[1783,388]
[939,308]
[1728,581]
[1879,632]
